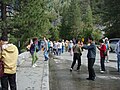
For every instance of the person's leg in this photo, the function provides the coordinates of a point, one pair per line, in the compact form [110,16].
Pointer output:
[102,63]
[118,62]
[33,58]
[36,58]
[62,49]
[79,61]
[12,81]
[90,68]
[74,60]
[107,57]
[55,52]
[4,82]
[71,51]
[46,55]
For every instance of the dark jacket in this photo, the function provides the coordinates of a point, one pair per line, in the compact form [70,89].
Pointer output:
[91,50]
[34,48]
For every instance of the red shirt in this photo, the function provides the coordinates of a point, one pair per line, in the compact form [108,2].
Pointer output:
[102,50]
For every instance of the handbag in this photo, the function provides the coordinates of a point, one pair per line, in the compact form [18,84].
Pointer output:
[105,53]
[1,66]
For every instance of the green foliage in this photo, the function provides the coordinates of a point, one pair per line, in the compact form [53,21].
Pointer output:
[111,18]
[77,20]
[55,19]
[54,34]
[71,21]
[32,20]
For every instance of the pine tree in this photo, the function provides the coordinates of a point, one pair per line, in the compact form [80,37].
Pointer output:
[33,19]
[71,23]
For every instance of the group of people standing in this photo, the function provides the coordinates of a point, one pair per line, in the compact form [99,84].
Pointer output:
[91,47]
[77,50]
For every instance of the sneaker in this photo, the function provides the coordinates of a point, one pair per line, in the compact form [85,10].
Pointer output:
[33,65]
[107,61]
[78,70]
[45,60]
[102,72]
[93,79]
[71,69]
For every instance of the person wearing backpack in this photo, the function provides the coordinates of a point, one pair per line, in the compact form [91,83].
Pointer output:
[102,49]
[117,50]
[33,50]
[77,55]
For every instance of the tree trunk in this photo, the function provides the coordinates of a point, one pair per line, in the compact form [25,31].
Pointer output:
[3,17]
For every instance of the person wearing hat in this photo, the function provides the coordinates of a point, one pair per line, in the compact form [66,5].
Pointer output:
[107,49]
[9,56]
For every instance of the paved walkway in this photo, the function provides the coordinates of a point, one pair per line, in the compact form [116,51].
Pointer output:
[29,78]
[84,61]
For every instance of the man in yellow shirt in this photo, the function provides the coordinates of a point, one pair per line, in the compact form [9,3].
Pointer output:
[9,57]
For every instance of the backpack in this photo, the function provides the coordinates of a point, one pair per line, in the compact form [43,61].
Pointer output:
[105,53]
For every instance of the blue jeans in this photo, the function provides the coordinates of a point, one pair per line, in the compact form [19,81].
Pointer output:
[63,47]
[118,62]
[46,55]
[59,51]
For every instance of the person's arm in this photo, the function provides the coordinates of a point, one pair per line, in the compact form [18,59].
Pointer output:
[85,47]
[98,47]
[116,49]
[103,48]
[89,47]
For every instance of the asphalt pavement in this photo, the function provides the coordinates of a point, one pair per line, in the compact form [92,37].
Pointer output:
[62,79]
[54,74]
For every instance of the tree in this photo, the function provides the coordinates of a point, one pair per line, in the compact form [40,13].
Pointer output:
[111,18]
[32,20]
[71,21]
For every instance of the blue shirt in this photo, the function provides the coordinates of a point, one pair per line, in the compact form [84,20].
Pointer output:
[91,50]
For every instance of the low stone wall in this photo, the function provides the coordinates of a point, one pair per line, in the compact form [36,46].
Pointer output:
[22,57]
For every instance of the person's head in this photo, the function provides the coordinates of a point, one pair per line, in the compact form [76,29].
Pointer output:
[90,39]
[71,41]
[78,41]
[106,40]
[101,41]
[35,40]
[3,39]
